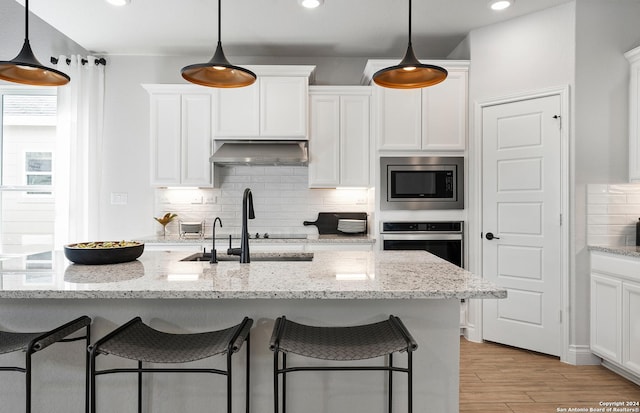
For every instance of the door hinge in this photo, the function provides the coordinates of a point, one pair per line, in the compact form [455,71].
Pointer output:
[560,219]
[559,118]
[560,316]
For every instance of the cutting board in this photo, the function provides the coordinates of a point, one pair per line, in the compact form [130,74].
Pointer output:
[327,222]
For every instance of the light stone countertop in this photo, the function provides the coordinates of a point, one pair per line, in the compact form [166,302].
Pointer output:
[310,239]
[331,275]
[628,251]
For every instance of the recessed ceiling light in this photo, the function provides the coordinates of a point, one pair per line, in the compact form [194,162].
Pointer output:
[501,4]
[118,2]
[310,4]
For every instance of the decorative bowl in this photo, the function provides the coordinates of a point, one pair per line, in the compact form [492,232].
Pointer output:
[103,252]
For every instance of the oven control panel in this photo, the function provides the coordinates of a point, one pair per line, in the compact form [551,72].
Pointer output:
[438,226]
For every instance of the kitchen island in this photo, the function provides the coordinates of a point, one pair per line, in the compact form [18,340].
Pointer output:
[335,288]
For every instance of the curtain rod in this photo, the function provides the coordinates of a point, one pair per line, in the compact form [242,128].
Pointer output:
[98,61]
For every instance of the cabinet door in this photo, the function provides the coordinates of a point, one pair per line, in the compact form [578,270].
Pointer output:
[165,139]
[237,112]
[631,326]
[324,141]
[444,107]
[399,116]
[354,140]
[606,321]
[196,139]
[283,107]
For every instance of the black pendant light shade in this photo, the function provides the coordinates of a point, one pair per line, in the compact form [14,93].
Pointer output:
[26,69]
[218,72]
[410,73]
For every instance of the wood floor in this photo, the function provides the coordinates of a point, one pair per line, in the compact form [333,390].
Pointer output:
[497,379]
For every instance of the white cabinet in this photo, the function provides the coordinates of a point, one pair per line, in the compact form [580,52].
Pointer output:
[274,107]
[634,114]
[428,119]
[615,310]
[181,135]
[339,136]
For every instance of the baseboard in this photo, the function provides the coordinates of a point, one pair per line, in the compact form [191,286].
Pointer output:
[581,355]
[621,372]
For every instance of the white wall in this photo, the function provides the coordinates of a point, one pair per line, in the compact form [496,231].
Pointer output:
[604,31]
[44,39]
[524,54]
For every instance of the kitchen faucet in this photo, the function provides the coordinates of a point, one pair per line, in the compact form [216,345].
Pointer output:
[214,258]
[247,213]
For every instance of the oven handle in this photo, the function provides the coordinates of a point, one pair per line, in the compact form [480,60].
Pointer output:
[420,237]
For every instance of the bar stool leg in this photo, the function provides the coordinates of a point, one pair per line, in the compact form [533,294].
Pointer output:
[139,386]
[410,380]
[28,382]
[248,346]
[276,392]
[390,382]
[229,382]
[86,368]
[284,383]
[92,382]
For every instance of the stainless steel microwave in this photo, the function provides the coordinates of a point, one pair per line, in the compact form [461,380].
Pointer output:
[422,182]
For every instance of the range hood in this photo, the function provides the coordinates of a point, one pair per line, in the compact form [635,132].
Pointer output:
[260,152]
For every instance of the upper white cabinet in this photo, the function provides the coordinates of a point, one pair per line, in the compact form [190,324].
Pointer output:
[615,310]
[634,114]
[339,136]
[274,107]
[181,135]
[428,119]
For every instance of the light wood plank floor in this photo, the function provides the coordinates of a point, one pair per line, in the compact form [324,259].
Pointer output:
[500,379]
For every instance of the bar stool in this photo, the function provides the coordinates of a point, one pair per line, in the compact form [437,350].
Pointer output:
[32,343]
[343,344]
[137,341]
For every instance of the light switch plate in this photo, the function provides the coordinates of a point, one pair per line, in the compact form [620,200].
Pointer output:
[119,198]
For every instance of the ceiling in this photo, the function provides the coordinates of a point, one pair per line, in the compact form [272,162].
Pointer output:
[339,28]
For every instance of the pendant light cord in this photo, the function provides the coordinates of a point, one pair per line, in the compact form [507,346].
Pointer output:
[26,21]
[409,22]
[219,20]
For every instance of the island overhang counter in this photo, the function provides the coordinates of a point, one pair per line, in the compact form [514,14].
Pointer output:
[335,288]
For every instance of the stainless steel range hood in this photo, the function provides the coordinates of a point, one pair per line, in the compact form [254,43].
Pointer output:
[261,152]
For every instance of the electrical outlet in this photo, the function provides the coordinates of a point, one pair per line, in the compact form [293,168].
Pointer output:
[211,199]
[361,200]
[196,200]
[119,198]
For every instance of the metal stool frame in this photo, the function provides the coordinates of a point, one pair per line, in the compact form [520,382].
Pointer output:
[279,334]
[231,348]
[32,343]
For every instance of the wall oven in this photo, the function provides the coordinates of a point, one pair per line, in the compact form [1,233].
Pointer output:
[442,238]
[421,182]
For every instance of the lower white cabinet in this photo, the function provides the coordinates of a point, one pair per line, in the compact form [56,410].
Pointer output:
[615,310]
[339,152]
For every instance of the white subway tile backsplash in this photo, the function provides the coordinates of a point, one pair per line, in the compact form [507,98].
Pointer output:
[612,213]
[282,200]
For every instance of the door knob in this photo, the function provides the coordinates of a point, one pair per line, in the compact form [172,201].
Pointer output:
[490,236]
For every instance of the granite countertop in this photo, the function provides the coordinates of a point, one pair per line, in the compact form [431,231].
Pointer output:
[331,275]
[628,251]
[302,239]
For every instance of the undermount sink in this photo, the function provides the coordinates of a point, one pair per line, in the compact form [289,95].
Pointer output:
[256,256]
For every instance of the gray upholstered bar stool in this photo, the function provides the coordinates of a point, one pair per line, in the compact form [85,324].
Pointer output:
[343,344]
[32,343]
[137,341]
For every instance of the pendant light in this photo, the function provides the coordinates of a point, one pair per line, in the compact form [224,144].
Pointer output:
[410,73]
[218,72]
[26,69]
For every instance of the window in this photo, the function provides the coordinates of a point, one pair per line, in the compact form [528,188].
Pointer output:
[27,166]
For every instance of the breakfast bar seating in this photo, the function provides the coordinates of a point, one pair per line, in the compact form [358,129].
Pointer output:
[341,344]
[31,343]
[135,340]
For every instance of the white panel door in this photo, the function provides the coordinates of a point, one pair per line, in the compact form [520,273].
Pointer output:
[196,139]
[631,326]
[521,222]
[324,141]
[354,140]
[165,139]
[283,107]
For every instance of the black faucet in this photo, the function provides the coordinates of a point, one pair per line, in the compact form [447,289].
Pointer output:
[214,257]
[247,213]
